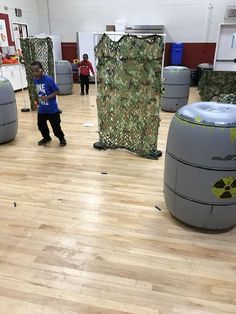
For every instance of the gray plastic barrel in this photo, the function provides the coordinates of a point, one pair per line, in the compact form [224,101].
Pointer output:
[200,166]
[201,68]
[64,77]
[176,84]
[8,112]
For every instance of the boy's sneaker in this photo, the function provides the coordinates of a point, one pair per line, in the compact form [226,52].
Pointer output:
[62,142]
[43,141]
[82,94]
[87,93]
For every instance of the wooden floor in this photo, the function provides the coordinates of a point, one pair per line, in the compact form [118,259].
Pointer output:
[78,241]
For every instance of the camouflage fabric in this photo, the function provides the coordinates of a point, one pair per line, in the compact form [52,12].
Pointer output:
[129,90]
[37,49]
[227,99]
[215,83]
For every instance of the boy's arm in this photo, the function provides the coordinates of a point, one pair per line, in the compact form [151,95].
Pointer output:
[45,98]
[91,68]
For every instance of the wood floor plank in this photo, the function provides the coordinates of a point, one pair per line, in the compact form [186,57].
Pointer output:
[74,240]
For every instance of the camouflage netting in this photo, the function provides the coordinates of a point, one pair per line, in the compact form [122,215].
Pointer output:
[129,90]
[37,49]
[216,83]
[225,99]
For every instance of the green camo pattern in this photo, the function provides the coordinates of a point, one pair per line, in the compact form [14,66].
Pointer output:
[228,99]
[129,90]
[37,49]
[216,83]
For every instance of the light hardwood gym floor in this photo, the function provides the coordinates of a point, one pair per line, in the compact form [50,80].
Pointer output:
[82,242]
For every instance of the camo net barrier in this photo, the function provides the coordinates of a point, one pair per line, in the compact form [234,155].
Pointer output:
[218,85]
[225,99]
[37,49]
[129,91]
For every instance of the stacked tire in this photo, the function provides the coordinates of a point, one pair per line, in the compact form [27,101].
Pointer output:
[200,166]
[8,112]
[176,85]
[64,77]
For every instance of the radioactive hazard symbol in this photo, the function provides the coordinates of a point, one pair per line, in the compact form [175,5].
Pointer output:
[225,188]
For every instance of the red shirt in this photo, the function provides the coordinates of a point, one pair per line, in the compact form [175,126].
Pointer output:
[85,67]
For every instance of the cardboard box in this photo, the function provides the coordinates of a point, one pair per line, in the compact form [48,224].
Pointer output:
[110,28]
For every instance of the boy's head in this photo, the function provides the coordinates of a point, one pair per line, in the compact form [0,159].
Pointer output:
[37,69]
[85,57]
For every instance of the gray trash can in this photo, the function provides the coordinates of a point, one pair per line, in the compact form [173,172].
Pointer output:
[64,77]
[176,84]
[8,112]
[200,166]
[201,68]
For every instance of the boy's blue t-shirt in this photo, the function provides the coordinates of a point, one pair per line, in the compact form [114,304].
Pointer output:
[46,86]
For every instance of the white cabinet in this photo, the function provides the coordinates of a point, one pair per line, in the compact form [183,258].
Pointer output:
[15,74]
[225,56]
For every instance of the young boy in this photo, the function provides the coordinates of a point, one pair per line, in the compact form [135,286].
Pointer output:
[48,108]
[85,68]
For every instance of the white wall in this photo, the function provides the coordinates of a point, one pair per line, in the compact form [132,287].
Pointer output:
[185,20]
[218,14]
[29,13]
[43,17]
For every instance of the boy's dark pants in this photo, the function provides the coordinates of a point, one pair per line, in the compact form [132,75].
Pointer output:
[55,121]
[84,80]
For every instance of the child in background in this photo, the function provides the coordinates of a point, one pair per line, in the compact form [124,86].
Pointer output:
[85,68]
[48,108]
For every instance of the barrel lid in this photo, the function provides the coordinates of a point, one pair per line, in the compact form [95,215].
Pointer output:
[3,80]
[176,68]
[209,114]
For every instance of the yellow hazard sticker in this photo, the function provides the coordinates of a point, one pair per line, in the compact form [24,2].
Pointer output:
[225,188]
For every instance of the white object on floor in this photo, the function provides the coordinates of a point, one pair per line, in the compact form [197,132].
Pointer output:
[88,124]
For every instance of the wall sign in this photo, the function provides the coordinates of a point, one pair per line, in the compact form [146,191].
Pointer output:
[3,34]
[4,17]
